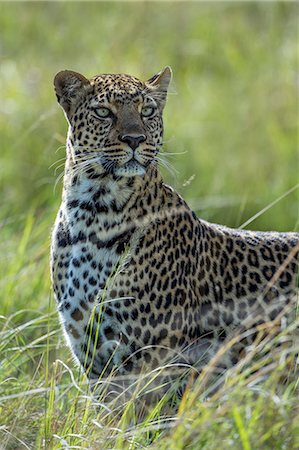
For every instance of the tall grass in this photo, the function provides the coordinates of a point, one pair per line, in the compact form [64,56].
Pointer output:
[232,120]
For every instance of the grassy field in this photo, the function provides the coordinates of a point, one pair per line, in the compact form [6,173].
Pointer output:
[232,119]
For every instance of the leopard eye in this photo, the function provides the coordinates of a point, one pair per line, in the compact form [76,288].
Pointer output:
[103,112]
[148,111]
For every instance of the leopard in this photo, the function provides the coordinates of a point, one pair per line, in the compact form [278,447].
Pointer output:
[140,281]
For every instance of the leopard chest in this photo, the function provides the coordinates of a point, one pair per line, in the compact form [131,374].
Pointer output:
[86,258]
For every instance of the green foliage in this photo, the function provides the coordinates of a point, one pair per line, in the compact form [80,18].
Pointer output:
[233,124]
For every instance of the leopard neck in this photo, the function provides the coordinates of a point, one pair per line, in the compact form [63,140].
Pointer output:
[107,194]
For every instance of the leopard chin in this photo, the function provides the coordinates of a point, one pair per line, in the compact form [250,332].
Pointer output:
[130,169]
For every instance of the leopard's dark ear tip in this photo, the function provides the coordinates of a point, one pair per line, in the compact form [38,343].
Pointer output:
[168,71]
[162,79]
[60,76]
[68,76]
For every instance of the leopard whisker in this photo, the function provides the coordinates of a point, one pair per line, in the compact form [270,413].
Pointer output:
[108,165]
[83,166]
[58,179]
[86,163]
[59,167]
[57,162]
[171,169]
[60,148]
[166,154]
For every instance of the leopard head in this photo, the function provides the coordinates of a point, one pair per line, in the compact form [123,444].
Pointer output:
[115,120]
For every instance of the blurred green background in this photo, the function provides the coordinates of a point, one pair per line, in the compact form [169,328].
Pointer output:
[232,119]
[232,114]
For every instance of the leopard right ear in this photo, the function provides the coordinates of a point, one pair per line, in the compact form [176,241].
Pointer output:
[161,80]
[158,85]
[70,87]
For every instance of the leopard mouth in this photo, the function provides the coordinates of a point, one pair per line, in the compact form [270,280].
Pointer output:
[130,169]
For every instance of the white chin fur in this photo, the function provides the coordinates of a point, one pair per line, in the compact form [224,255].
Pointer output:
[131,169]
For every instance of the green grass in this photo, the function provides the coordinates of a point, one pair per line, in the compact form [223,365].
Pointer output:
[233,114]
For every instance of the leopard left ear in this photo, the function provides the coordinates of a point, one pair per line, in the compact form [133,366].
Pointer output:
[70,86]
[161,80]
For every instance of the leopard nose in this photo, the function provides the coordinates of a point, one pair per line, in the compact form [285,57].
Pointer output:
[133,140]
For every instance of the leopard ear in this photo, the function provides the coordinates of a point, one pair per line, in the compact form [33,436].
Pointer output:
[161,80]
[70,87]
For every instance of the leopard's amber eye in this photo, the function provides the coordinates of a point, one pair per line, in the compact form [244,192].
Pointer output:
[148,111]
[103,112]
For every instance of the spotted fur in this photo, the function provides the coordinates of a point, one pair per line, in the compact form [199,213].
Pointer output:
[139,279]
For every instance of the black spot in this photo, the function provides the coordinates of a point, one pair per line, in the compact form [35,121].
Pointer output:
[163,334]
[167,317]
[101,208]
[92,281]
[128,364]
[252,287]
[253,259]
[273,314]
[63,237]
[153,321]
[109,334]
[134,314]
[286,280]
[147,357]
[227,318]
[146,337]
[137,332]
[167,301]
[229,303]
[76,283]
[267,254]
[77,314]
[73,204]
[206,307]
[76,262]
[173,341]
[83,305]
[71,292]
[269,272]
